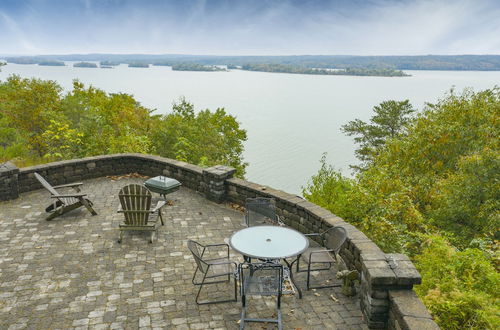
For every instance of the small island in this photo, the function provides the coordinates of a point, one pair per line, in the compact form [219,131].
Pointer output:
[85,65]
[284,68]
[51,63]
[196,67]
[22,60]
[138,65]
[105,64]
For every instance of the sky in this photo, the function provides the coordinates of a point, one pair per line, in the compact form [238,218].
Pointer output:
[250,27]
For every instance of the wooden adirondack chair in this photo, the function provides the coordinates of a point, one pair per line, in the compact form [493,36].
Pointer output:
[64,203]
[135,204]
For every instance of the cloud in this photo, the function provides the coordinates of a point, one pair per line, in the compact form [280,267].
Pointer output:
[14,35]
[269,27]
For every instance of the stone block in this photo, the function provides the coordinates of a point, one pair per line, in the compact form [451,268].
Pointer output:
[381,276]
[410,323]
[407,303]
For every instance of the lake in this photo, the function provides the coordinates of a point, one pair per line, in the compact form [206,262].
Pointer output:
[291,119]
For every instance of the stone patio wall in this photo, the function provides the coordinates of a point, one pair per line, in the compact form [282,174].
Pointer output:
[386,279]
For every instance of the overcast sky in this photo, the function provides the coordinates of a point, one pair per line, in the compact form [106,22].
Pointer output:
[250,27]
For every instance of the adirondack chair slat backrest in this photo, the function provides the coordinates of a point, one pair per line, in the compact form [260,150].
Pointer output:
[136,202]
[45,184]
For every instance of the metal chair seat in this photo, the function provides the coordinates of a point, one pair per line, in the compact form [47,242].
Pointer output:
[212,270]
[317,255]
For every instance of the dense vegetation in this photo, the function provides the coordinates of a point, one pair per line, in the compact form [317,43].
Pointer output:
[429,186]
[138,65]
[51,63]
[40,123]
[282,68]
[85,65]
[427,62]
[195,67]
[109,63]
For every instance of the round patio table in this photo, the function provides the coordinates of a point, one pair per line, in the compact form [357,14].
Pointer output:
[270,242]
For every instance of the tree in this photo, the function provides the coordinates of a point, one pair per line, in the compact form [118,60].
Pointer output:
[389,121]
[29,105]
[205,138]
[432,192]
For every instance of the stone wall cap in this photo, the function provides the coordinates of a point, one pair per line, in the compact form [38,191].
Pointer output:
[407,303]
[8,168]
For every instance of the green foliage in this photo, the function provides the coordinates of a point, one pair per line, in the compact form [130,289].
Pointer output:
[461,288]
[389,121]
[28,105]
[439,175]
[195,67]
[467,201]
[61,141]
[206,138]
[329,189]
[287,68]
[85,65]
[38,124]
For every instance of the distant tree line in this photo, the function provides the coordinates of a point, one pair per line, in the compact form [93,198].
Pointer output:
[384,72]
[85,65]
[51,63]
[427,62]
[195,67]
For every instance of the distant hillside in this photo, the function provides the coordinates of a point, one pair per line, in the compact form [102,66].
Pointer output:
[427,62]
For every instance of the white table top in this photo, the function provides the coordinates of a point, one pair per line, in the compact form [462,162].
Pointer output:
[269,242]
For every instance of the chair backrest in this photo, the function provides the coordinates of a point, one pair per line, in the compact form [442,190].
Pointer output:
[264,278]
[334,237]
[260,211]
[136,202]
[45,184]
[197,251]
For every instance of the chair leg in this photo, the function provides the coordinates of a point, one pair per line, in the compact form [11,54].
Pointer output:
[308,274]
[320,286]
[53,215]
[121,236]
[213,301]
[88,206]
[161,217]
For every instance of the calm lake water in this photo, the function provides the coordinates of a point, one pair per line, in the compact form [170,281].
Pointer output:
[290,119]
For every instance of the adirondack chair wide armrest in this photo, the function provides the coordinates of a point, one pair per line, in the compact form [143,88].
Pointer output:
[159,205]
[120,210]
[70,195]
[69,185]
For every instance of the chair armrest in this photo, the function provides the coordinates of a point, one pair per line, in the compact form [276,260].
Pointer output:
[313,234]
[70,185]
[224,263]
[158,206]
[218,245]
[321,251]
[66,196]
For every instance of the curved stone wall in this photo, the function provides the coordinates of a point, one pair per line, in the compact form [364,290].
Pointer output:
[386,297]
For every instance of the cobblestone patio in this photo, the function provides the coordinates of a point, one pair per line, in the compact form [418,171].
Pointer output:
[72,273]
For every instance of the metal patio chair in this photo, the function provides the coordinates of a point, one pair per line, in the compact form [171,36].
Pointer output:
[212,269]
[261,211]
[135,204]
[63,203]
[331,241]
[261,279]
